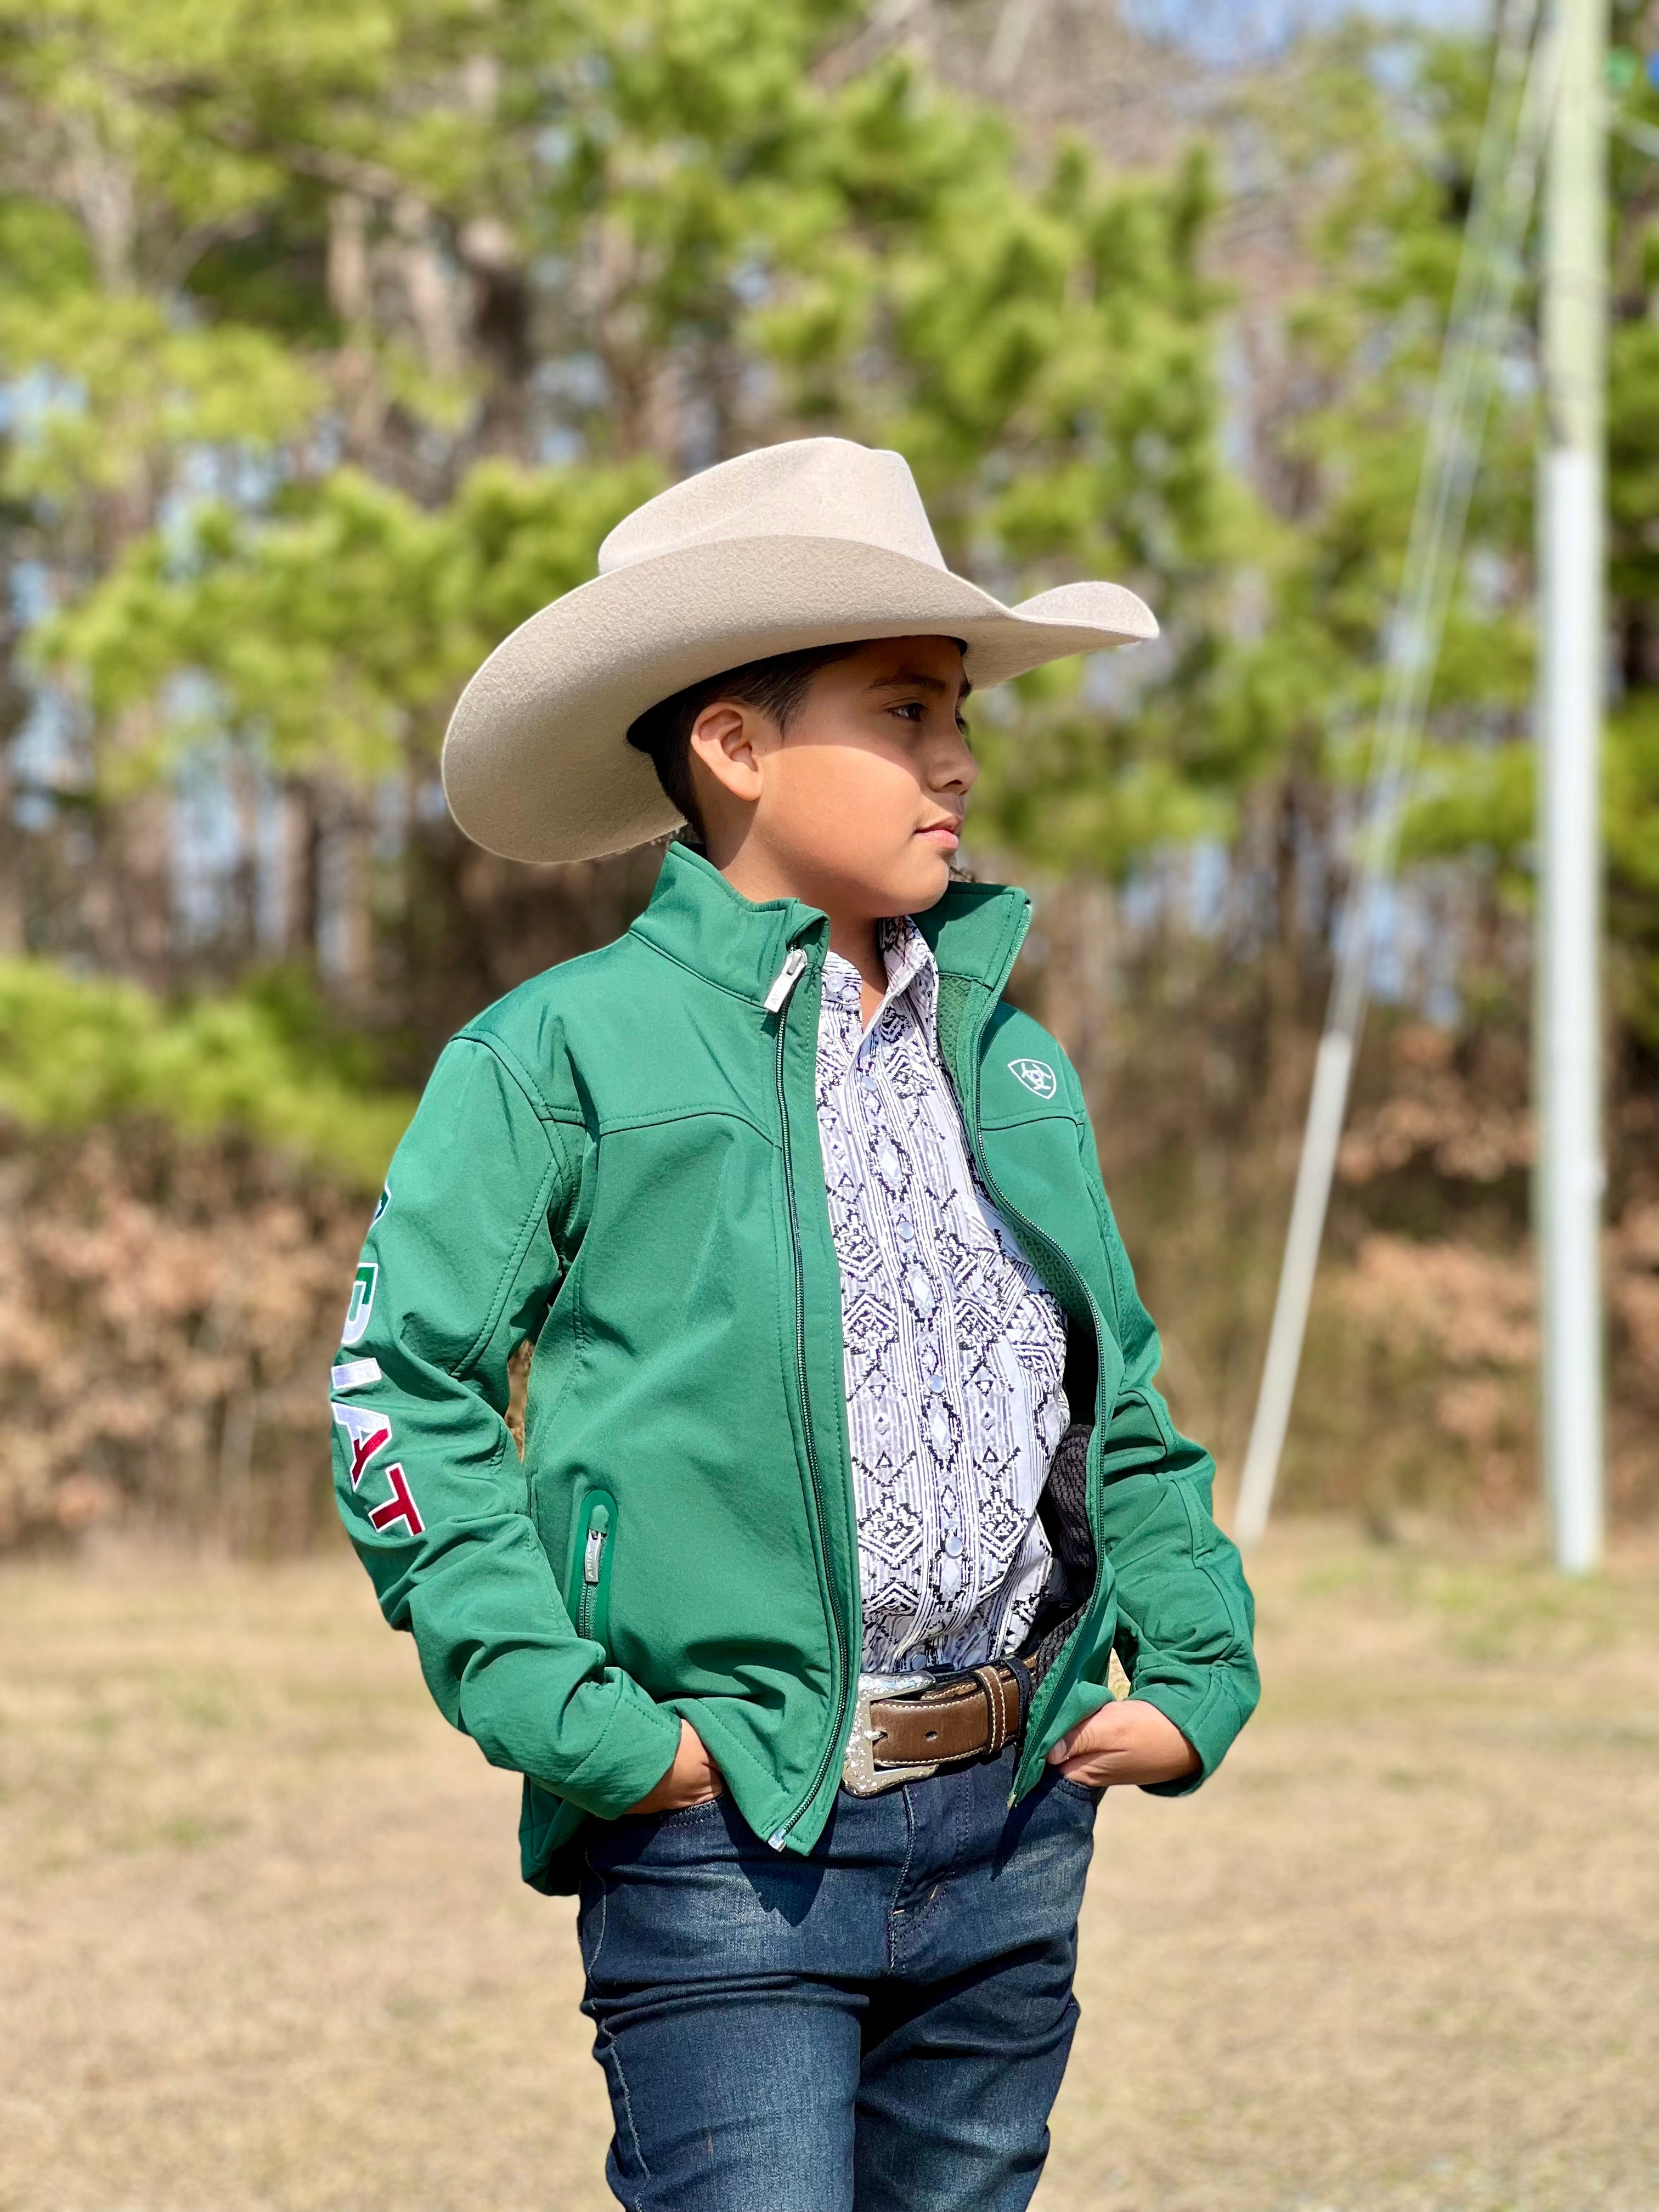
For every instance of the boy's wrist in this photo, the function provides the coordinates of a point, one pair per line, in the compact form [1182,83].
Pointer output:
[1205,1714]
[690,1778]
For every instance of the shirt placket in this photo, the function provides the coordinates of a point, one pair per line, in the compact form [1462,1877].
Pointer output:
[885,1093]
[926,1314]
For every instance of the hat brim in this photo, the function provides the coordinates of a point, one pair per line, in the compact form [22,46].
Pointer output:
[536,763]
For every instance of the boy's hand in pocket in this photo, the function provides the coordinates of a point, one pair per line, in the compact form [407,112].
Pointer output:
[1128,1742]
[691,1778]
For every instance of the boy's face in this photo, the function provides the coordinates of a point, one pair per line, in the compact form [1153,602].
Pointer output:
[860,808]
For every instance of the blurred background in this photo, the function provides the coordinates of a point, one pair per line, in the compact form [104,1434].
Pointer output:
[334,335]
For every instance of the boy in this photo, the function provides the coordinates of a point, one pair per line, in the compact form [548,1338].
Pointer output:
[844,1472]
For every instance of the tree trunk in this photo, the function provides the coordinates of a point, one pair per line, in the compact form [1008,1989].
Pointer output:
[303,871]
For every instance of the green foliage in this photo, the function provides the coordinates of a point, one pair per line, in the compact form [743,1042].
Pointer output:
[344,329]
[125,392]
[1393,163]
[1477,798]
[1389,156]
[329,629]
[76,1051]
[689,207]
[1631,819]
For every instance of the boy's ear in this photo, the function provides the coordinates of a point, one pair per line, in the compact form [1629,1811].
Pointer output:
[727,739]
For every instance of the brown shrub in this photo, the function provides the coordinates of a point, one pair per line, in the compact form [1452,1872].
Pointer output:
[167,1310]
[1450,1330]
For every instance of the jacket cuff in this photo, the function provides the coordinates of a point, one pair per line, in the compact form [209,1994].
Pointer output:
[1207,1714]
[635,1749]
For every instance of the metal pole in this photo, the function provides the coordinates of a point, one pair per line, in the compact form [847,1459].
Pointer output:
[1567,1013]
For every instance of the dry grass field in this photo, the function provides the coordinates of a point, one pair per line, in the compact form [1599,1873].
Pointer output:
[263,1947]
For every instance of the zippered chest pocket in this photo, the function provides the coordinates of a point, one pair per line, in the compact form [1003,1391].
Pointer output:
[592,1543]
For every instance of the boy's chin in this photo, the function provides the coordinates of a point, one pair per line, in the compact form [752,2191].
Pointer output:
[920,881]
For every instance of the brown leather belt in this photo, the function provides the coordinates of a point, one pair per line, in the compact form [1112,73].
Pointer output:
[907,1726]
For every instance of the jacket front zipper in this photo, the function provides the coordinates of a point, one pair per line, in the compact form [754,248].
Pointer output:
[788,975]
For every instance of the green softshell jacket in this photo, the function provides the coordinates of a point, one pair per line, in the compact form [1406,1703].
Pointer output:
[619,1162]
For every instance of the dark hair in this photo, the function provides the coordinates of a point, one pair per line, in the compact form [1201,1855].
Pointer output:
[777,686]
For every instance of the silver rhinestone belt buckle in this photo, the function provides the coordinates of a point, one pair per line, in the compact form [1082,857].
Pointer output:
[859,1771]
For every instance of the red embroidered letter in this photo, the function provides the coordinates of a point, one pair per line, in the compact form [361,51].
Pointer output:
[400,1506]
[363,1449]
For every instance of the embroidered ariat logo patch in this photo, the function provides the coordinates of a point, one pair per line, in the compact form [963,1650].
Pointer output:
[1036,1075]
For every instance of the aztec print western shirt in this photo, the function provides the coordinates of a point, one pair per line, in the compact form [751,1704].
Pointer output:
[953,1350]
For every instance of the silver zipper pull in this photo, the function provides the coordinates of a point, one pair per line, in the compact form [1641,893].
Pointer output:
[591,1554]
[793,968]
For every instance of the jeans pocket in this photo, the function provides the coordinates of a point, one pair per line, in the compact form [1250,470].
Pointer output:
[682,1815]
[1091,1793]
[634,1836]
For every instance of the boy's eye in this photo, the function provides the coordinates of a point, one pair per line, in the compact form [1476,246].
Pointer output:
[915,710]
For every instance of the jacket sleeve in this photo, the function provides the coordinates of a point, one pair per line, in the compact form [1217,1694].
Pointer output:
[458,1267]
[1186,1618]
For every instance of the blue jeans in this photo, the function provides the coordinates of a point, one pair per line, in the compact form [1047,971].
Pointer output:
[879,2028]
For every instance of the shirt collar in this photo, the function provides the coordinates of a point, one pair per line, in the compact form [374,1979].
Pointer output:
[911,970]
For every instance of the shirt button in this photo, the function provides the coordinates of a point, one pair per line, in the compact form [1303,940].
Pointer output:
[935,1381]
[953,1546]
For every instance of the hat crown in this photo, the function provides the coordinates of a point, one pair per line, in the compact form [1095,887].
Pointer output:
[805,487]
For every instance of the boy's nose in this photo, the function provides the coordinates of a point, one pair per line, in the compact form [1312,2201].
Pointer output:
[963,769]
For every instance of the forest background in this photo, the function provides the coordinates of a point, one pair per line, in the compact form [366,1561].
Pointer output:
[334,335]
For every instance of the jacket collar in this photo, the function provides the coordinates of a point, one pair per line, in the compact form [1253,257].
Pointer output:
[697,919]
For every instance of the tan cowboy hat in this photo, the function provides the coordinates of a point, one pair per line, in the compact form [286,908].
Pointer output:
[816,542]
